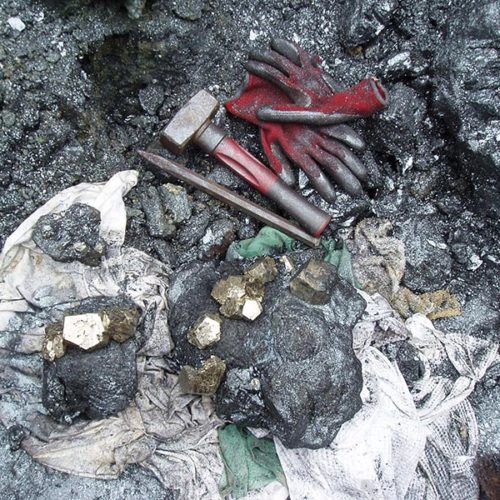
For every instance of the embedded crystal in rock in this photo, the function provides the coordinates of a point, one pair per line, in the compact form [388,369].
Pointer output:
[313,283]
[204,380]
[251,309]
[53,344]
[120,322]
[232,287]
[86,331]
[206,331]
[263,271]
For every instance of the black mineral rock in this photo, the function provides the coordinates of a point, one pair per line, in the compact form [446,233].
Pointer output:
[93,384]
[71,235]
[292,370]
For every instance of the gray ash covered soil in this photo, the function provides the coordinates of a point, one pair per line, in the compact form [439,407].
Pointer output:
[83,86]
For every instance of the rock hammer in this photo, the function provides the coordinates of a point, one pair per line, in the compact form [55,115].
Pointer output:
[193,124]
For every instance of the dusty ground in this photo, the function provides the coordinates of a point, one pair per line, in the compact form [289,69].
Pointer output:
[82,86]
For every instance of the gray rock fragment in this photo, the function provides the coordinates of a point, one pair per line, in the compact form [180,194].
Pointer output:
[71,235]
[217,238]
[176,202]
[151,98]
[135,8]
[363,20]
[158,225]
[428,259]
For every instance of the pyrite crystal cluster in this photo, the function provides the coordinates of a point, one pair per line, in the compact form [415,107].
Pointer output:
[241,296]
[89,331]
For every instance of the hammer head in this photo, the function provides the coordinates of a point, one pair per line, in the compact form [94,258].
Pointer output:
[189,121]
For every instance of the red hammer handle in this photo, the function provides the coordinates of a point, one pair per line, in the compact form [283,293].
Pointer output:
[242,163]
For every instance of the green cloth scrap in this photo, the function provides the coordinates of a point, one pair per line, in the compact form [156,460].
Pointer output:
[337,254]
[250,463]
[268,241]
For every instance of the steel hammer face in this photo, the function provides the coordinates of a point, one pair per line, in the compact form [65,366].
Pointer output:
[189,122]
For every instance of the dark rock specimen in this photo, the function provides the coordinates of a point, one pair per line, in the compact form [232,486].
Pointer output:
[406,356]
[466,96]
[93,384]
[292,370]
[363,20]
[71,235]
[158,225]
[428,260]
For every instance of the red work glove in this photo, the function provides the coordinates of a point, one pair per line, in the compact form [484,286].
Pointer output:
[308,147]
[314,98]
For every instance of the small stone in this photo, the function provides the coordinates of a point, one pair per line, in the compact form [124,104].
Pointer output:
[135,8]
[53,344]
[264,270]
[287,262]
[313,283]
[206,332]
[176,202]
[190,10]
[120,322]
[158,225]
[204,380]
[86,331]
[251,309]
[151,98]
[16,23]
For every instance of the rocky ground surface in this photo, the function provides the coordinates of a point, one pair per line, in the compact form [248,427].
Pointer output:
[84,84]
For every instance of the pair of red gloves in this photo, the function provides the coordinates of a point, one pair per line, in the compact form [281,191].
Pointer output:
[301,113]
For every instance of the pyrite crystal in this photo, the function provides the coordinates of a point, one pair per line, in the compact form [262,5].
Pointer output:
[120,322]
[240,297]
[206,331]
[53,344]
[264,270]
[86,331]
[313,282]
[204,380]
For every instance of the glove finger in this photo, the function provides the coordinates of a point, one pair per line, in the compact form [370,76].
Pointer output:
[339,172]
[346,156]
[298,114]
[345,134]
[286,173]
[277,159]
[267,57]
[317,178]
[287,49]
[328,79]
[268,73]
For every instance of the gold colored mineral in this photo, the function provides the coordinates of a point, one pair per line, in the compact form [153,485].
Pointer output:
[263,271]
[53,344]
[86,331]
[204,380]
[312,284]
[206,331]
[241,296]
[120,322]
[251,309]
